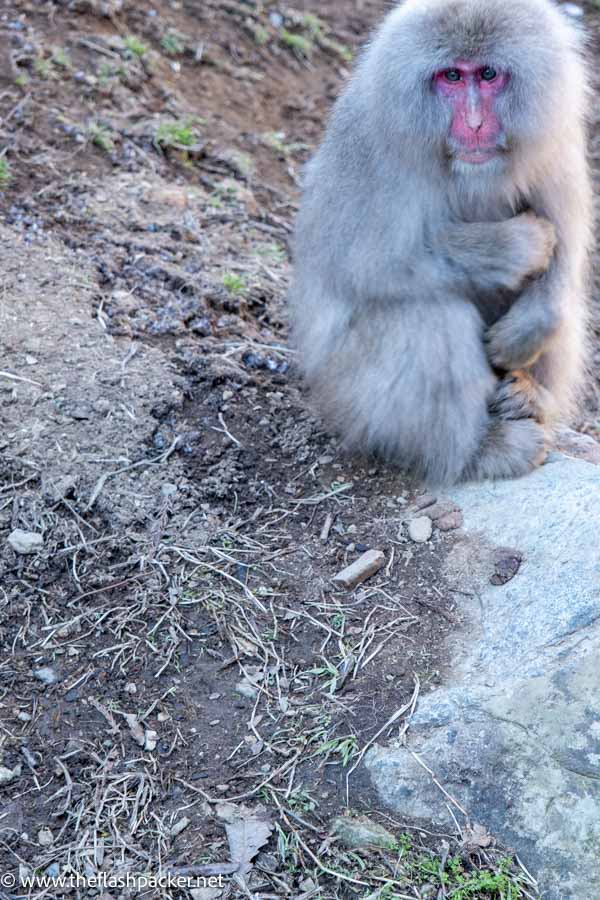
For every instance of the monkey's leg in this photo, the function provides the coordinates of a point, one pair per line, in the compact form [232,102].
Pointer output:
[511,448]
[410,381]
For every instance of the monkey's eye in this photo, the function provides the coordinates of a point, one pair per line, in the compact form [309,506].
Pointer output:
[488,74]
[452,75]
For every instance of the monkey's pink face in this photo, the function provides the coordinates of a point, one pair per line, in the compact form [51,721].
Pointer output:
[471,90]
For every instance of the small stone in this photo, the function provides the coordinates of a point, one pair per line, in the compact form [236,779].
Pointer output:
[507,563]
[424,501]
[450,521]
[360,832]
[420,529]
[151,740]
[214,696]
[361,569]
[131,688]
[438,510]
[46,675]
[8,775]
[214,722]
[23,717]
[24,542]
[45,837]
[581,446]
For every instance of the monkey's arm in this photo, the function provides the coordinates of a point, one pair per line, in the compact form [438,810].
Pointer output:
[490,257]
[517,339]
[548,315]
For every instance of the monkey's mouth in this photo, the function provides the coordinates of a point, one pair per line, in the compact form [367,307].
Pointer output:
[478,155]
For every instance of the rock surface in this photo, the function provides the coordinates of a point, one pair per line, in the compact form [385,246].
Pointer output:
[514,734]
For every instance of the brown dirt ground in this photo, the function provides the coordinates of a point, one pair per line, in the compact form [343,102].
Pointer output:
[155,436]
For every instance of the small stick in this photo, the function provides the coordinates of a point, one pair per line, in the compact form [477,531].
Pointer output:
[329,519]
[12,377]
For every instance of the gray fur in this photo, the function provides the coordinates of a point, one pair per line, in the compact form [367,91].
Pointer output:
[417,279]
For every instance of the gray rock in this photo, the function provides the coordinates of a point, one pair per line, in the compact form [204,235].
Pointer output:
[514,734]
[46,675]
[360,832]
[7,775]
[420,529]
[24,542]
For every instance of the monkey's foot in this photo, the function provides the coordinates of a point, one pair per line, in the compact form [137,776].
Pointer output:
[520,396]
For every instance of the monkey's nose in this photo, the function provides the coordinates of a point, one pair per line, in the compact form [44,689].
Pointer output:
[474,119]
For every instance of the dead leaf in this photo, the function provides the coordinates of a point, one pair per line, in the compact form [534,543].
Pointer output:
[476,837]
[246,837]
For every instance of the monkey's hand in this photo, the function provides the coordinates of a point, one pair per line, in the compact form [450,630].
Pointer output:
[520,396]
[498,256]
[517,339]
[534,243]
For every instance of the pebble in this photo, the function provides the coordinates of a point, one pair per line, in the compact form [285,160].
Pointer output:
[45,837]
[424,501]
[151,740]
[361,832]
[420,529]
[46,675]
[24,542]
[450,521]
[507,563]
[8,775]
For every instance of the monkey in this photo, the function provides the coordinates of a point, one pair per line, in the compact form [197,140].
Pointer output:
[438,300]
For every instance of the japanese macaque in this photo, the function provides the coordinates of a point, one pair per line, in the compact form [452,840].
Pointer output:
[439,299]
